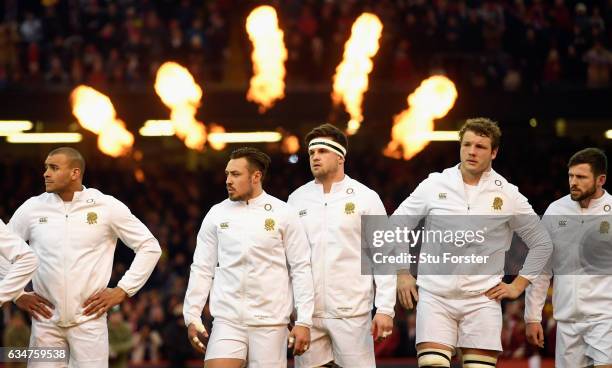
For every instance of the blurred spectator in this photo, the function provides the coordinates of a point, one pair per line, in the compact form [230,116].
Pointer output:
[31,29]
[599,60]
[16,335]
[120,340]
[552,68]
[177,347]
[545,40]
[402,62]
[56,74]
[514,340]
[147,344]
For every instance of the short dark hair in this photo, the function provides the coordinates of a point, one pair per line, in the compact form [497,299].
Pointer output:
[483,127]
[327,130]
[257,160]
[595,157]
[75,157]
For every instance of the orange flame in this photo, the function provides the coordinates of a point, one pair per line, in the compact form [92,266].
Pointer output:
[216,145]
[351,79]
[179,91]
[433,99]
[269,55]
[95,112]
[290,144]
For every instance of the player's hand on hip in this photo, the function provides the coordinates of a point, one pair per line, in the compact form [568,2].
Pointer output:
[299,339]
[535,333]
[197,334]
[407,290]
[102,301]
[35,305]
[382,326]
[503,291]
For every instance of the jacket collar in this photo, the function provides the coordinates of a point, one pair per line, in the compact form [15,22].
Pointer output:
[259,200]
[76,197]
[485,178]
[595,203]
[336,187]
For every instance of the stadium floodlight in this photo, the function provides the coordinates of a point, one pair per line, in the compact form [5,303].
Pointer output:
[164,128]
[609,134]
[157,128]
[8,127]
[245,137]
[439,135]
[44,138]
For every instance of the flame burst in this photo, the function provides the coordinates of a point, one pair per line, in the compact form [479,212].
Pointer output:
[179,91]
[95,112]
[433,99]
[290,144]
[269,55]
[351,79]
[215,144]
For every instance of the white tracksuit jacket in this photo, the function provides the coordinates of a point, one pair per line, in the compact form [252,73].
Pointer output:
[17,264]
[333,226]
[75,242]
[444,194]
[578,296]
[250,256]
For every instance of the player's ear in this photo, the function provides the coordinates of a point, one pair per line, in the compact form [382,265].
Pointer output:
[75,173]
[256,177]
[494,153]
[601,180]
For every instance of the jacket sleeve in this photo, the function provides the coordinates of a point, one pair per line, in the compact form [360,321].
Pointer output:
[415,207]
[19,223]
[21,261]
[528,226]
[535,295]
[137,237]
[297,251]
[202,271]
[410,212]
[537,291]
[384,300]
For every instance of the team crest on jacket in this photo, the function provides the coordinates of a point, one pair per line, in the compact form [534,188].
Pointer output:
[42,220]
[498,203]
[92,218]
[349,208]
[224,225]
[269,224]
[441,195]
[303,213]
[604,227]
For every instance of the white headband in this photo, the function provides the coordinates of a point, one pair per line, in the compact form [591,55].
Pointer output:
[327,144]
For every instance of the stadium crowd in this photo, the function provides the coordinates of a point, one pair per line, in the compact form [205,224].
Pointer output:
[172,200]
[514,45]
